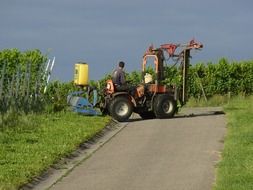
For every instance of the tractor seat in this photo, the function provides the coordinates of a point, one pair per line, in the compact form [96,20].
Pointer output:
[111,87]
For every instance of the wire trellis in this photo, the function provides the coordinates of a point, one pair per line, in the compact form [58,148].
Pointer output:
[23,91]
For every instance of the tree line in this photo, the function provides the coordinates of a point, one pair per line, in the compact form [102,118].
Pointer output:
[22,80]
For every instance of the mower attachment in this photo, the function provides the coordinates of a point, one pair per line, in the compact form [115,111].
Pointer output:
[82,105]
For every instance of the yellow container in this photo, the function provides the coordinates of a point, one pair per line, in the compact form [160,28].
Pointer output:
[81,74]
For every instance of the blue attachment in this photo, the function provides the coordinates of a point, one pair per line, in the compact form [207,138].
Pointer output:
[82,105]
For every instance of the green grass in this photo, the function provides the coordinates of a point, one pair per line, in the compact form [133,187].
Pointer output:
[39,141]
[235,171]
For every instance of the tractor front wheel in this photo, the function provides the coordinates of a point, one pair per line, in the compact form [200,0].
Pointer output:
[121,108]
[164,106]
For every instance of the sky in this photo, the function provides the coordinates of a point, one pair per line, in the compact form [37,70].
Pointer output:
[102,33]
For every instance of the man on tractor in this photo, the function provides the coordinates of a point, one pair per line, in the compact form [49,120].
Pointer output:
[118,77]
[119,80]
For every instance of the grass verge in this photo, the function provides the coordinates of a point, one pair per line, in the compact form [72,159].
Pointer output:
[216,100]
[235,171]
[39,141]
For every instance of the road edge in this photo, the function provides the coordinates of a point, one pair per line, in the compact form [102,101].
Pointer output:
[83,152]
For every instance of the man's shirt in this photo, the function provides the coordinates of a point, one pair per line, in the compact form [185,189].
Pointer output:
[118,76]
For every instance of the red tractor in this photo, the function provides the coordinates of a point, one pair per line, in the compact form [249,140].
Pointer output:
[151,98]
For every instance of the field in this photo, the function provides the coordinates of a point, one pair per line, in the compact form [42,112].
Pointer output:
[39,141]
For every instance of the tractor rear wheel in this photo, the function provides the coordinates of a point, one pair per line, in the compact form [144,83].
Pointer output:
[121,108]
[164,106]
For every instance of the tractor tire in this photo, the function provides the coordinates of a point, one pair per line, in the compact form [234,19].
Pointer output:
[164,106]
[147,115]
[121,108]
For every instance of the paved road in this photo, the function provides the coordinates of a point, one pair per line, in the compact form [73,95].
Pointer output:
[169,154]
